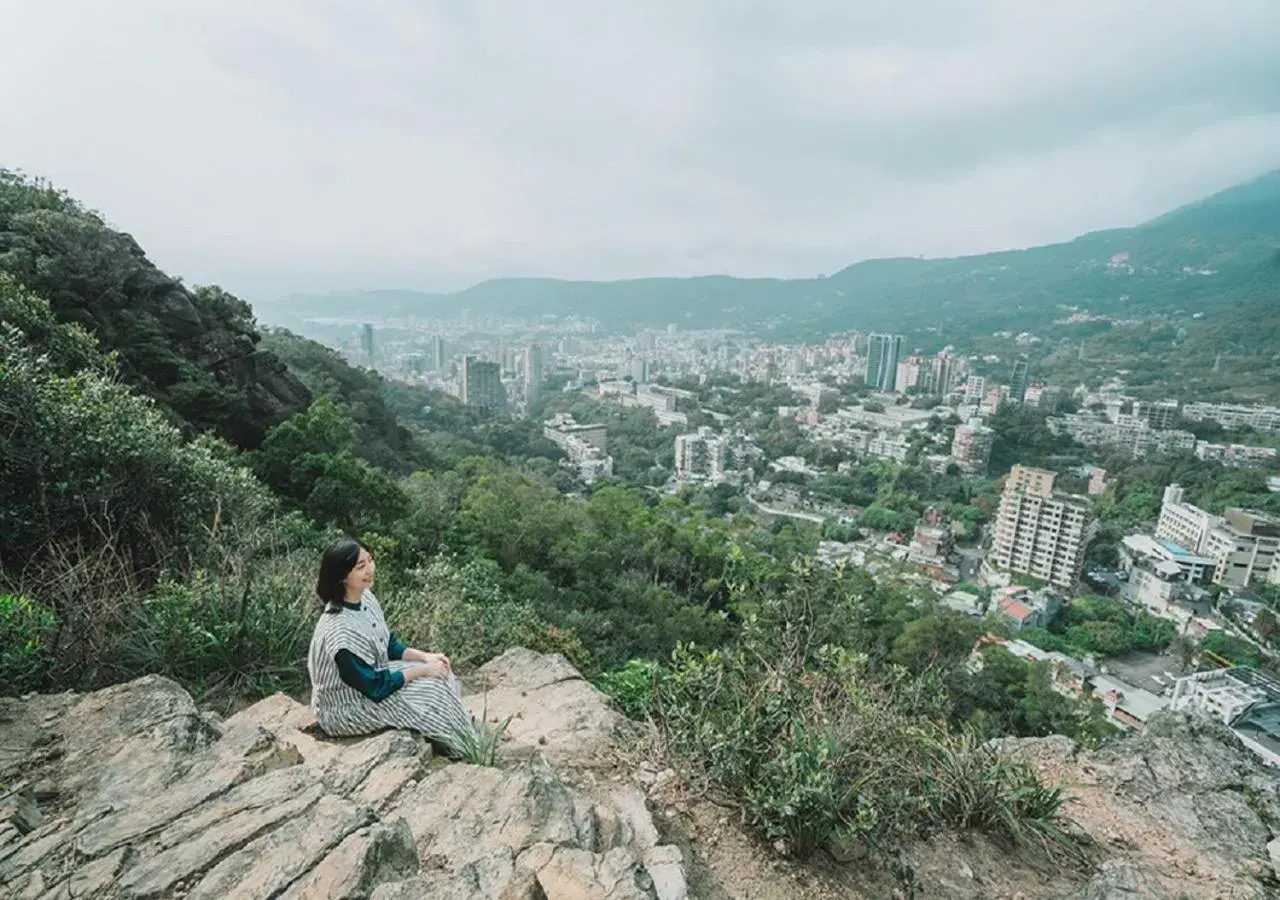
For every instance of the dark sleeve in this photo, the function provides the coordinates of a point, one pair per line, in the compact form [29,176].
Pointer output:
[376,684]
[395,647]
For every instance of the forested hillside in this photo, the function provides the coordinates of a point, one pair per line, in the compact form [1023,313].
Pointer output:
[195,352]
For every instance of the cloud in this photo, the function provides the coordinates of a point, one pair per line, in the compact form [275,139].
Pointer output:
[304,144]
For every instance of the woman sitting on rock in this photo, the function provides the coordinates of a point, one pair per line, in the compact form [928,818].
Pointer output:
[363,679]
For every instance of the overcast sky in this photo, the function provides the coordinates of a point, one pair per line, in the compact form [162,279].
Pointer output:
[279,145]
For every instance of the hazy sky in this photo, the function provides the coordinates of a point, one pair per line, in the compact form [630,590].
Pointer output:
[276,145]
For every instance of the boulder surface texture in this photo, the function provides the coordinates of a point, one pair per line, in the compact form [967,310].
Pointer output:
[132,792]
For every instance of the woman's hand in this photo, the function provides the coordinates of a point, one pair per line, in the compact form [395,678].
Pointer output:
[414,655]
[435,665]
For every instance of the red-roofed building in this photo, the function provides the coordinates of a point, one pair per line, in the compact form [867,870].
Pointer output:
[1026,609]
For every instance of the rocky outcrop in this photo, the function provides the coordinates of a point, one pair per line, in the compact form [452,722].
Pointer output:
[1180,809]
[140,795]
[132,792]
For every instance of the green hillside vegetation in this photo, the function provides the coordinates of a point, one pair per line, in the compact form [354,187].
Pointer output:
[132,541]
[193,351]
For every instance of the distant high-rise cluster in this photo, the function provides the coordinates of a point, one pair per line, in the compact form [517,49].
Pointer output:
[436,353]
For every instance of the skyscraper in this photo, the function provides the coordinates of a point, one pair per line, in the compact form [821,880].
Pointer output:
[436,353]
[1018,379]
[883,353]
[482,384]
[942,376]
[1040,533]
[639,370]
[366,344]
[534,357]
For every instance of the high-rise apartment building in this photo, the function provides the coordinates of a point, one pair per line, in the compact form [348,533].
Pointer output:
[971,447]
[912,373]
[482,384]
[1043,396]
[1040,533]
[534,363]
[883,353]
[701,454]
[1018,379]
[639,370]
[943,374]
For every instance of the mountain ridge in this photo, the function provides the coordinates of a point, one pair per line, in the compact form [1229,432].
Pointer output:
[1237,229]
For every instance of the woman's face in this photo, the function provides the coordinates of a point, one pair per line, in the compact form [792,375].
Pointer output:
[360,578]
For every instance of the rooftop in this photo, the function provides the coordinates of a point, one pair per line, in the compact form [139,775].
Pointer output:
[1134,700]
[1175,549]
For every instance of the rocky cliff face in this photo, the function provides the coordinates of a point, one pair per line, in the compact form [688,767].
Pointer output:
[133,792]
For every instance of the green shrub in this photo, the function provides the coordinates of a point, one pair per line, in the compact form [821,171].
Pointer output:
[249,633]
[85,460]
[24,626]
[633,687]
[817,743]
[460,609]
[478,745]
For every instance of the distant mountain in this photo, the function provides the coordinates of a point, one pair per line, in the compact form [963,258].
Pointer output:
[1206,255]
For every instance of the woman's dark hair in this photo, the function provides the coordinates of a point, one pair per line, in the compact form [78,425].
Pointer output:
[338,560]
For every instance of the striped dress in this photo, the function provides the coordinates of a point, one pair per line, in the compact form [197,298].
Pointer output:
[431,706]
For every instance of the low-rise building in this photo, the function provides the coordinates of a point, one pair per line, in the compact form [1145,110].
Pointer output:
[585,446]
[1126,433]
[1231,415]
[1236,455]
[1126,706]
[1026,608]
[1244,545]
[1190,567]
[969,604]
[888,446]
[1245,700]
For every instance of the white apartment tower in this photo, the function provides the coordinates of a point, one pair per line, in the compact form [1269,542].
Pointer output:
[1038,532]
[701,454]
[1186,525]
